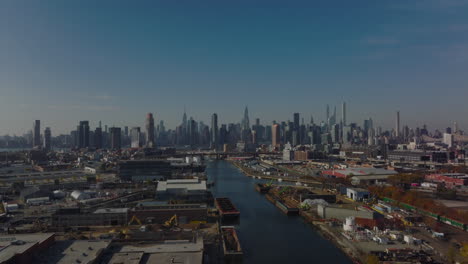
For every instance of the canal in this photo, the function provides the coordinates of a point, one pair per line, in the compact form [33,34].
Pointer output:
[267,235]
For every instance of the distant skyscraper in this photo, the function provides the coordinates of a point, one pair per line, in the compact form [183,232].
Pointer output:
[83,134]
[343,113]
[135,135]
[275,135]
[214,131]
[116,133]
[295,131]
[246,121]
[150,131]
[328,113]
[397,128]
[47,139]
[98,137]
[37,134]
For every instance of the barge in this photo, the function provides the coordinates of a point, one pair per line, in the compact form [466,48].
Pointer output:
[227,210]
[286,209]
[231,246]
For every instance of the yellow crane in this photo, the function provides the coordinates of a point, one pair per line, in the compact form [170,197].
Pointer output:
[133,219]
[171,222]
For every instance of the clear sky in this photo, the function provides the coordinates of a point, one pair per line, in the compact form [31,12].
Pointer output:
[65,61]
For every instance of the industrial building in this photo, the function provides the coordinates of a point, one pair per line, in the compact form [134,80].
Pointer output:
[361,175]
[192,189]
[170,251]
[160,213]
[21,248]
[102,217]
[328,212]
[449,179]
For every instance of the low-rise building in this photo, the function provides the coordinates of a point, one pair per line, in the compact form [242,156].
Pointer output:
[21,248]
[449,179]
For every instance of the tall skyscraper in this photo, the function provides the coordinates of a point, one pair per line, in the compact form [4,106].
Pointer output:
[295,130]
[343,113]
[150,131]
[116,133]
[328,114]
[98,137]
[47,139]
[214,131]
[397,128]
[83,134]
[245,120]
[37,134]
[135,136]
[275,135]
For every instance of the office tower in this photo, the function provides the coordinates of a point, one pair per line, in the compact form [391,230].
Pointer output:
[135,136]
[296,121]
[74,139]
[257,121]
[245,120]
[455,127]
[397,128]
[343,113]
[37,134]
[115,138]
[223,134]
[192,132]
[448,139]
[126,131]
[150,131]
[83,134]
[328,114]
[275,135]
[371,137]
[295,134]
[98,137]
[47,139]
[214,131]
[335,133]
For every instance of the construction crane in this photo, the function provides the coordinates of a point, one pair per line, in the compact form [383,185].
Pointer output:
[171,222]
[133,219]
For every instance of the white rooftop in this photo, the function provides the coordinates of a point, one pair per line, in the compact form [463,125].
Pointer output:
[187,184]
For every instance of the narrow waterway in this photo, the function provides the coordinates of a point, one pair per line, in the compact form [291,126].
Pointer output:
[267,235]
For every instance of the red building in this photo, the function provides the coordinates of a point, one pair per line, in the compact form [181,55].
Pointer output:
[449,179]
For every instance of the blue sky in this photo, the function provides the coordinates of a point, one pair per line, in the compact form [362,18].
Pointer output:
[65,61]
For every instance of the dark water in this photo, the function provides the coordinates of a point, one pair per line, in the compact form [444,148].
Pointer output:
[267,235]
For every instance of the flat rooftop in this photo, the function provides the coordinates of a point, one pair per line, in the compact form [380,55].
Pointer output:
[73,251]
[127,258]
[9,250]
[189,184]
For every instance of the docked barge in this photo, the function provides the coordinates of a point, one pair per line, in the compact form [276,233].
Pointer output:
[227,210]
[231,246]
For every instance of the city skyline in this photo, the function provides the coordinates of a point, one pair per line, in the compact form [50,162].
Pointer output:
[93,61]
[336,117]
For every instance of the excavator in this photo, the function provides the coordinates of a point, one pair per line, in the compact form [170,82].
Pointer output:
[133,220]
[171,222]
